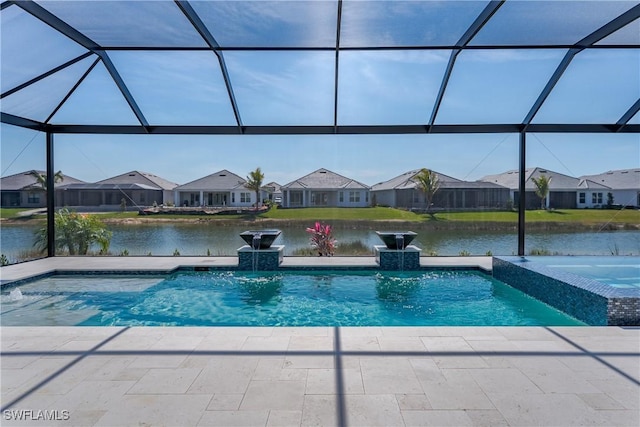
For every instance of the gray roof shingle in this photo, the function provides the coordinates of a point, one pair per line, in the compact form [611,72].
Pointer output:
[222,180]
[137,177]
[510,179]
[406,181]
[623,179]
[324,179]
[26,181]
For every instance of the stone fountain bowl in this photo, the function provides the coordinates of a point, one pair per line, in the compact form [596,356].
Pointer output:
[266,237]
[390,238]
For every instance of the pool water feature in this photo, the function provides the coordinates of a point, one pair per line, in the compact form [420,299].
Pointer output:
[278,298]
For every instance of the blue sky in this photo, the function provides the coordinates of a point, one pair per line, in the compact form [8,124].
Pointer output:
[296,88]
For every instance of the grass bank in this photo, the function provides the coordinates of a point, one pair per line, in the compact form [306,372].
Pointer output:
[372,217]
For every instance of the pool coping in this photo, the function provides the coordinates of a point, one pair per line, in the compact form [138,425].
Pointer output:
[15,274]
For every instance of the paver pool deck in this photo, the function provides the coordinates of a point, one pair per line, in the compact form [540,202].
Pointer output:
[329,376]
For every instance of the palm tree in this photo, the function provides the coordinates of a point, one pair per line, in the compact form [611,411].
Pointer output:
[41,179]
[542,189]
[428,182]
[254,182]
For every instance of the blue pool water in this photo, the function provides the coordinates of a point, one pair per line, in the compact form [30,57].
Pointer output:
[301,298]
[616,271]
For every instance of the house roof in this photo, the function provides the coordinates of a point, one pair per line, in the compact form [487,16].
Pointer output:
[510,179]
[324,179]
[26,181]
[622,179]
[406,182]
[143,178]
[588,184]
[274,187]
[115,187]
[222,180]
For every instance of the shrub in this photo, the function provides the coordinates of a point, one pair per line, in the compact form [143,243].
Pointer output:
[321,239]
[75,233]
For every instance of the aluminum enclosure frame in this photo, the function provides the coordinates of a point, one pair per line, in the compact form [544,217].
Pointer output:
[430,126]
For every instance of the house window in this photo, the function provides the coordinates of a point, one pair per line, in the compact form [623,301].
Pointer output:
[596,198]
[33,198]
[233,197]
[296,198]
[354,196]
[245,197]
[582,197]
[341,196]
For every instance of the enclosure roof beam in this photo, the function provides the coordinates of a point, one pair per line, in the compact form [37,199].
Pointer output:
[45,75]
[57,24]
[477,25]
[10,119]
[320,130]
[6,4]
[607,29]
[204,32]
[75,35]
[628,115]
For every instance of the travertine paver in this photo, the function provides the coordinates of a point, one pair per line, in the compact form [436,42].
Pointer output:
[291,376]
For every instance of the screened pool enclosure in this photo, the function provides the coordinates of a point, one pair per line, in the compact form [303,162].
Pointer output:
[239,71]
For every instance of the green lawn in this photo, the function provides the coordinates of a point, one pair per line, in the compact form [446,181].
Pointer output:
[12,212]
[325,214]
[585,216]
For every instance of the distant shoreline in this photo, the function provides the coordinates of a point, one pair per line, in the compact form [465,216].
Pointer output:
[383,224]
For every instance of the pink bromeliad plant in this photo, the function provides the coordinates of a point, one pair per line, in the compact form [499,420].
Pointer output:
[321,239]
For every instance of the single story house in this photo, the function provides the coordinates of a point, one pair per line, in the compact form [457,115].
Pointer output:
[623,185]
[220,189]
[273,192]
[403,192]
[563,189]
[136,188]
[325,188]
[23,190]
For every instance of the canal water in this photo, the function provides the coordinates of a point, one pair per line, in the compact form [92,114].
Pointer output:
[215,240]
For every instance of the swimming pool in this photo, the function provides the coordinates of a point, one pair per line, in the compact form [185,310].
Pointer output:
[291,298]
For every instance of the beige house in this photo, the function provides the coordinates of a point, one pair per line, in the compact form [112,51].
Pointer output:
[325,188]
[220,189]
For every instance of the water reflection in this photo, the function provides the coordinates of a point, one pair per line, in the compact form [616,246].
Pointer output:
[202,240]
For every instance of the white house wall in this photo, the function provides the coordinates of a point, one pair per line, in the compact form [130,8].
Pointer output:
[620,197]
[361,198]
